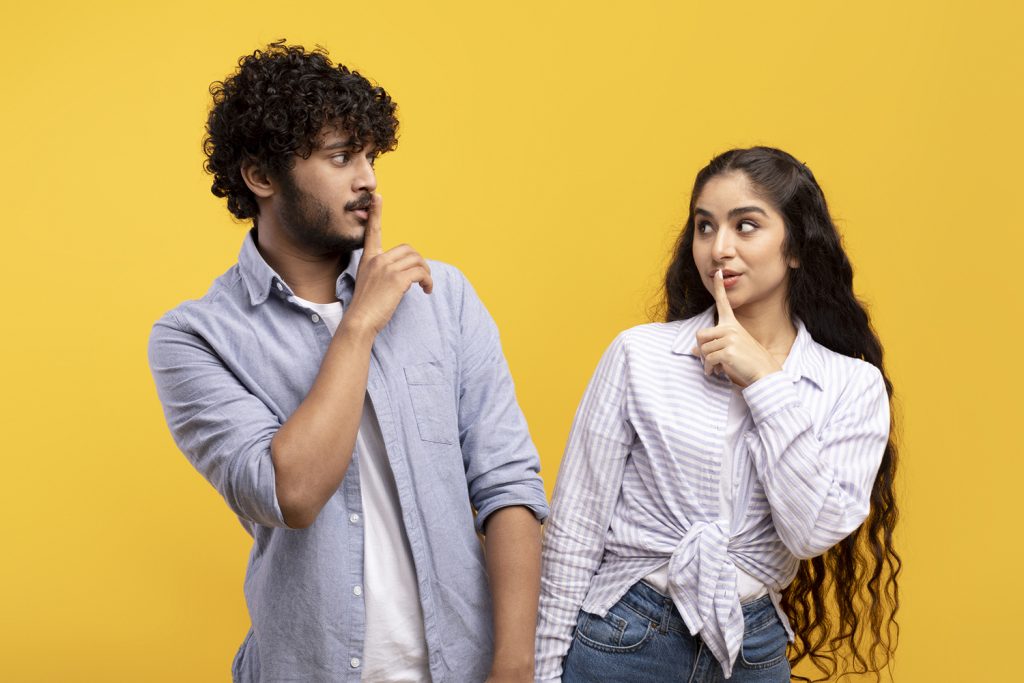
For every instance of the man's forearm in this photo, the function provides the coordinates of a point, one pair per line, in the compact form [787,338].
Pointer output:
[313,449]
[512,546]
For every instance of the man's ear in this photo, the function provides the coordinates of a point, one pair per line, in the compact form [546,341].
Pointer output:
[256,179]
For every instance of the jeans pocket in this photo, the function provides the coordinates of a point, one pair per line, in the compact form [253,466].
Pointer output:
[621,630]
[433,402]
[765,646]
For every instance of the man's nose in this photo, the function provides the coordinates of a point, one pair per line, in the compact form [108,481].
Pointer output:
[366,178]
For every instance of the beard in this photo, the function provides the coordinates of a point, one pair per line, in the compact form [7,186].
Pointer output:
[308,222]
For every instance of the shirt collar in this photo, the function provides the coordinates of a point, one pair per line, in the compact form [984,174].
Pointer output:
[804,360]
[259,277]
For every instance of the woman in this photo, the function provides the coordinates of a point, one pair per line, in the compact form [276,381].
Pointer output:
[712,499]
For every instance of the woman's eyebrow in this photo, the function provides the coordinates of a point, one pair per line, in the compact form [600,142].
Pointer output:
[734,212]
[747,209]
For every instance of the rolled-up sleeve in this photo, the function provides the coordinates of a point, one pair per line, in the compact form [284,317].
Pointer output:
[223,429]
[501,461]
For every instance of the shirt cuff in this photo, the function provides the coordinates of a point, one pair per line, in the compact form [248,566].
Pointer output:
[769,395]
[539,508]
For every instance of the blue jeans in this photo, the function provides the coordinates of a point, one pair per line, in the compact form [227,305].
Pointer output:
[643,638]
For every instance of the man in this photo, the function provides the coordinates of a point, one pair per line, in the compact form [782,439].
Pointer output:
[352,405]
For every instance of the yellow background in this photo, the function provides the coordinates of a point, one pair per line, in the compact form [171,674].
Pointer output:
[547,150]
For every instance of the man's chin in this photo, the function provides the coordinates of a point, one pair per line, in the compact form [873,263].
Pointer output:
[333,244]
[346,245]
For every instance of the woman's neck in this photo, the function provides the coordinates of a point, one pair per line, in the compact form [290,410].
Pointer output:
[772,327]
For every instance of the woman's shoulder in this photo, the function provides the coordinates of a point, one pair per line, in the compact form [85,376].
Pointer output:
[666,333]
[650,331]
[655,342]
[838,369]
[656,336]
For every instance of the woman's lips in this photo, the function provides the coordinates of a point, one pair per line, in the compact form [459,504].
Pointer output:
[728,279]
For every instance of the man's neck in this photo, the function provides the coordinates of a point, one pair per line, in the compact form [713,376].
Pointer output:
[312,277]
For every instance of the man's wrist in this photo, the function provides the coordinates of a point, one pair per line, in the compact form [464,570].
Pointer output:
[356,330]
[519,670]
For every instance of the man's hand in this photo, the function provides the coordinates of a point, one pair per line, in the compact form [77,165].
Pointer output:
[313,448]
[383,276]
[730,347]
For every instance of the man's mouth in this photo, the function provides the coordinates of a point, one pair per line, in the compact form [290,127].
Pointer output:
[360,206]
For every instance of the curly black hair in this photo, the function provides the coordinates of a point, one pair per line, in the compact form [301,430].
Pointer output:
[276,105]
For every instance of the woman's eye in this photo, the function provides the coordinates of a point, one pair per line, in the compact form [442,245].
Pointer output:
[747,226]
[704,227]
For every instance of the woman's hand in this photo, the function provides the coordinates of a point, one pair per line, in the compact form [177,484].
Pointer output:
[729,348]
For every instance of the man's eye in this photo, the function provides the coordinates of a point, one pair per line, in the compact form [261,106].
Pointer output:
[372,159]
[341,158]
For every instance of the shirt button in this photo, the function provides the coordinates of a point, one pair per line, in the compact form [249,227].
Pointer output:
[354,662]
[357,591]
[315,318]
[280,287]
[353,518]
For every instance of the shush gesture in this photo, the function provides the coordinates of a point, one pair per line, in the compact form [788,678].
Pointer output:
[728,347]
[384,276]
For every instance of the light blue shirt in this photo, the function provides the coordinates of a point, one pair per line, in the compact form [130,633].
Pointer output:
[231,367]
[639,483]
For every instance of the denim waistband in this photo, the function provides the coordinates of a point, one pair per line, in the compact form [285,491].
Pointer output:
[646,601]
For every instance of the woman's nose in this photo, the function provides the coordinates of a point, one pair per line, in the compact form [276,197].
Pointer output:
[722,247]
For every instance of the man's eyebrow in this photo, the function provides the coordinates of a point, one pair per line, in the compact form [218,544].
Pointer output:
[340,144]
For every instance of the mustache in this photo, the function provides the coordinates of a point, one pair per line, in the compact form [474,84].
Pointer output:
[361,204]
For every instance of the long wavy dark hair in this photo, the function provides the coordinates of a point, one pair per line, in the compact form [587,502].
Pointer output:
[842,604]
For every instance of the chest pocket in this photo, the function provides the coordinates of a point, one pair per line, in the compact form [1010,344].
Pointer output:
[433,402]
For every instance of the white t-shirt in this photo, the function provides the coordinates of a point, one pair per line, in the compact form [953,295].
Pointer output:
[395,647]
[747,587]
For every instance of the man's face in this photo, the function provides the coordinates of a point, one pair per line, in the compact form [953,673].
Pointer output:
[324,200]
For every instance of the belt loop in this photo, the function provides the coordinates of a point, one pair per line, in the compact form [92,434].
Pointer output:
[666,615]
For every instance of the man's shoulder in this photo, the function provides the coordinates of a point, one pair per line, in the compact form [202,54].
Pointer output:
[451,286]
[446,273]
[226,293]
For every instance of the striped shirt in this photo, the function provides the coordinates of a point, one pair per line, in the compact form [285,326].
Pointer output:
[639,482]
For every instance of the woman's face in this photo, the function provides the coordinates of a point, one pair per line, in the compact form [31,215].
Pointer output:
[741,233]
